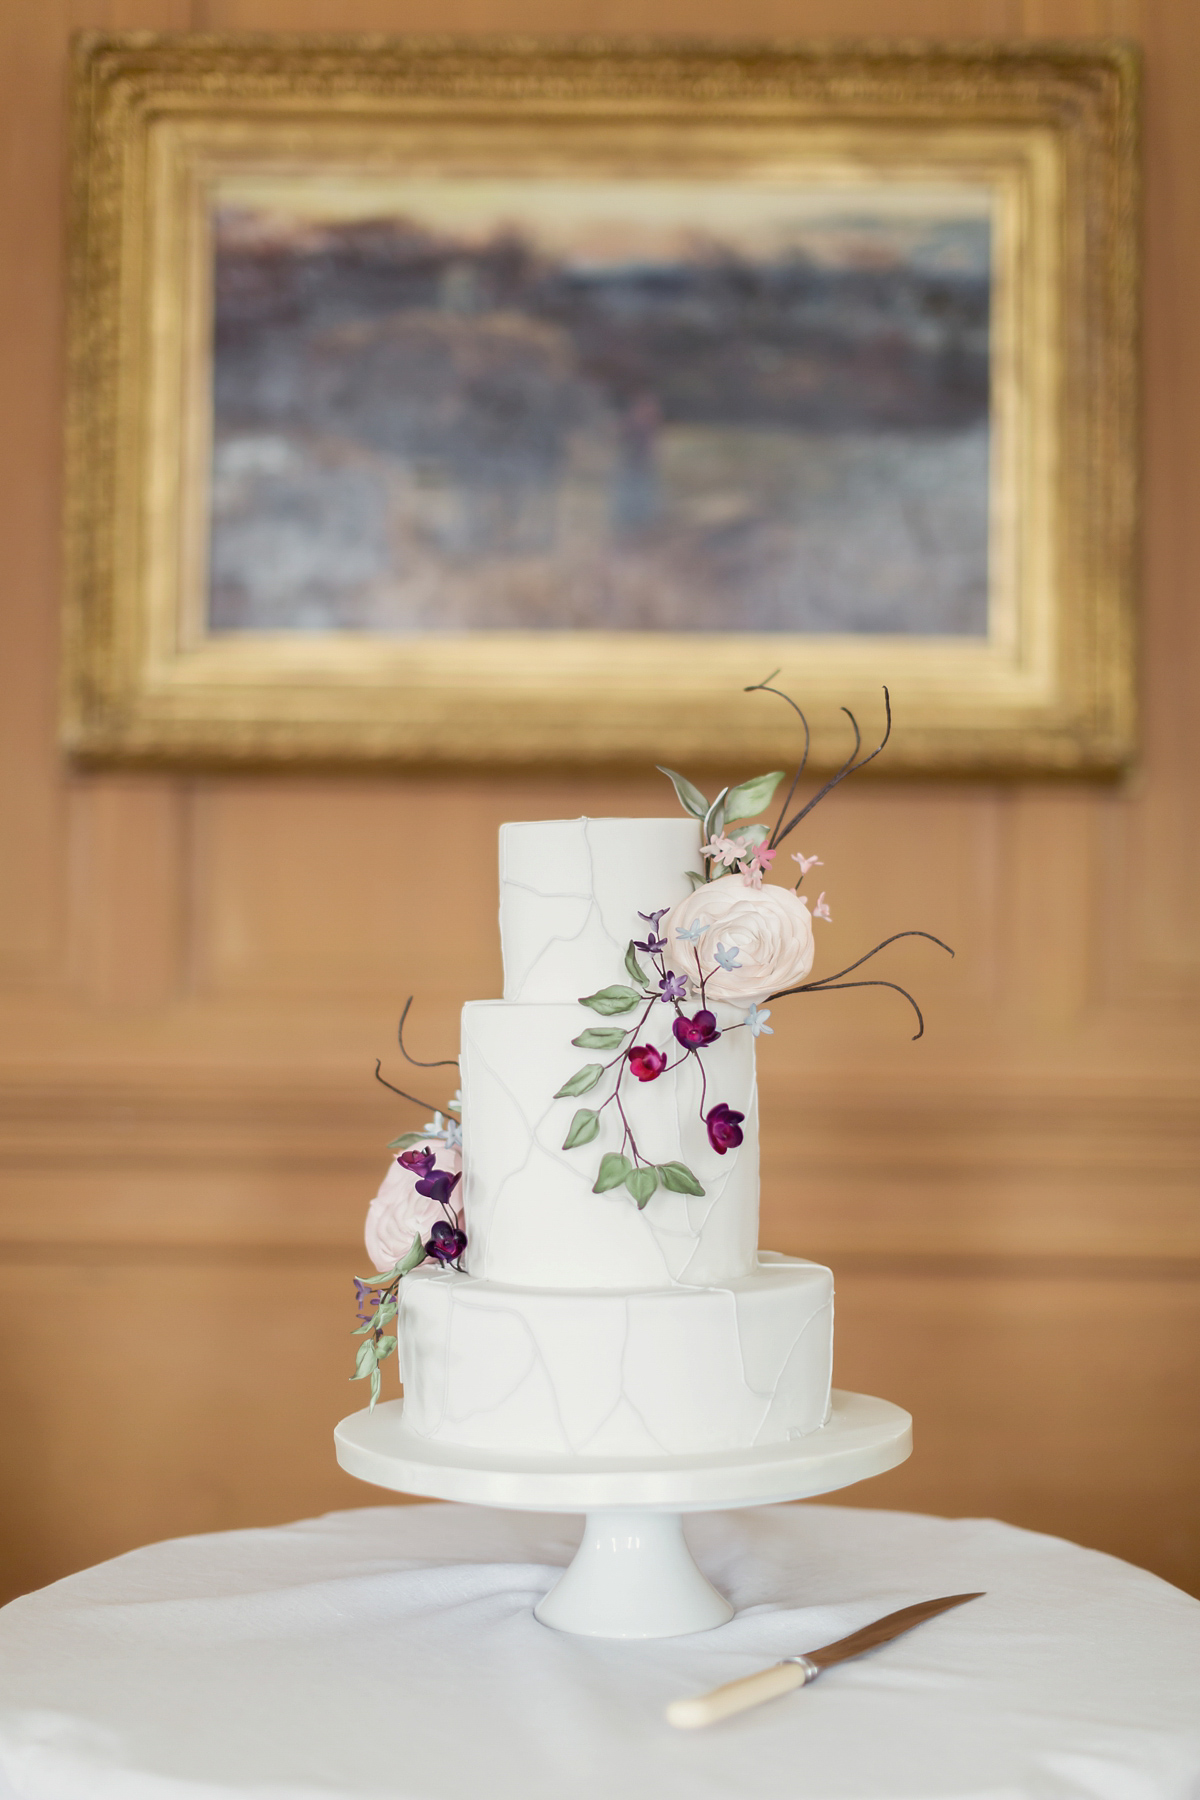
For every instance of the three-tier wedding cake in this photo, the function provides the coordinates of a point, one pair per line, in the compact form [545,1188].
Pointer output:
[588,1323]
[571,1274]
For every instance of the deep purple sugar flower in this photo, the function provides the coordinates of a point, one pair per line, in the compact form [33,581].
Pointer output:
[446,1243]
[654,917]
[724,1127]
[646,1062]
[696,1032]
[438,1185]
[419,1161]
[652,944]
[672,988]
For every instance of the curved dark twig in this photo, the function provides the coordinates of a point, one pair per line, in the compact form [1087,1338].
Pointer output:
[764,687]
[395,1090]
[833,987]
[448,1062]
[850,968]
[849,767]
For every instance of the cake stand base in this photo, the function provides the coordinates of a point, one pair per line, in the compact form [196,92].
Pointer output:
[633,1575]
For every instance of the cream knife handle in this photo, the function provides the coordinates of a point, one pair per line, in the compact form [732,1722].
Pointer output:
[736,1696]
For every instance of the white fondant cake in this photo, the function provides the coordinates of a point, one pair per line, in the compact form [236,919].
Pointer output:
[584,1325]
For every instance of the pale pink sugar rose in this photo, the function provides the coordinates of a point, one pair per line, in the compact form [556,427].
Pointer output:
[398,1213]
[767,931]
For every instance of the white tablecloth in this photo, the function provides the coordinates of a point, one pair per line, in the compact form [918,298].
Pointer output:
[393,1651]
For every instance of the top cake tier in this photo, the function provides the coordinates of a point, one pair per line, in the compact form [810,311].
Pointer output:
[571,891]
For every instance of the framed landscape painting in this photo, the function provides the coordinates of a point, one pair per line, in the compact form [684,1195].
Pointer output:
[435,404]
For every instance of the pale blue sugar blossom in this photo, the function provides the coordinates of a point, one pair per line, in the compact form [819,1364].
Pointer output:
[454,1104]
[757,1018]
[728,956]
[448,1129]
[693,933]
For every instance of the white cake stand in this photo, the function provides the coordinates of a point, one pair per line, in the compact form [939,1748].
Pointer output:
[633,1574]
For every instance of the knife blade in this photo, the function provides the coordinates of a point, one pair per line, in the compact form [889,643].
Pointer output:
[796,1671]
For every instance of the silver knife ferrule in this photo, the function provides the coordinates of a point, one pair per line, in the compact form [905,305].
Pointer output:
[811,1669]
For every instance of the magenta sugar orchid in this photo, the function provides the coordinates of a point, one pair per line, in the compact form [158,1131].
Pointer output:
[646,1063]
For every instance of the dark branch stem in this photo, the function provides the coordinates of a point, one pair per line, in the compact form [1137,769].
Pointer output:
[850,967]
[764,687]
[429,1106]
[834,986]
[449,1062]
[849,767]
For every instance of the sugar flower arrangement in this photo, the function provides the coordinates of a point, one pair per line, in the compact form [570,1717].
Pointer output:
[733,941]
[415,1217]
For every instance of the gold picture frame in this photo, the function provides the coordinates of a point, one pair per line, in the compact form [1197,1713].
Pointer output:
[1047,133]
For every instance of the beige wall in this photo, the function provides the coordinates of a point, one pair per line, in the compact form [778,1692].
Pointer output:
[196,974]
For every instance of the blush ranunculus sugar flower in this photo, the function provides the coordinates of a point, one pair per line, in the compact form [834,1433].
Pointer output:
[398,1213]
[770,928]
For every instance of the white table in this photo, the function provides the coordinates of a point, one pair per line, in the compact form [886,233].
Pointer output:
[392,1651]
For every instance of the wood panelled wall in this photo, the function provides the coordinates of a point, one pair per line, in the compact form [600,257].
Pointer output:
[196,974]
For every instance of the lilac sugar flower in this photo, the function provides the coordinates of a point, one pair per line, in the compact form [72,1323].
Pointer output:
[366,1299]
[654,917]
[446,1243]
[698,1031]
[724,1127]
[672,988]
[419,1161]
[438,1185]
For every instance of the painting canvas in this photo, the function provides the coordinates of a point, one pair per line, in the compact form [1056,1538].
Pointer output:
[456,404]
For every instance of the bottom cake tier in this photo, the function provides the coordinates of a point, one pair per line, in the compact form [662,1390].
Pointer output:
[654,1372]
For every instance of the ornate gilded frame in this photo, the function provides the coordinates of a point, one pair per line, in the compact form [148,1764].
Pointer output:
[1054,127]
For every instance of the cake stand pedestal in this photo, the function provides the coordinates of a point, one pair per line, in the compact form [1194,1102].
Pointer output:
[633,1575]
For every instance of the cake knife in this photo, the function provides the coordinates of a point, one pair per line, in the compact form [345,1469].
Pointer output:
[796,1671]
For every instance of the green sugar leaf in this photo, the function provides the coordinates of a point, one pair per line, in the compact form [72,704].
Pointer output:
[581,1081]
[407,1141]
[689,797]
[750,797]
[697,881]
[679,1178]
[365,1361]
[384,1348]
[374,1386]
[416,1254]
[600,1037]
[386,1313]
[584,1127]
[614,1170]
[714,818]
[633,967]
[612,1000]
[641,1184]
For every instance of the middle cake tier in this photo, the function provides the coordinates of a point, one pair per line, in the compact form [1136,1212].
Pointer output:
[532,1218]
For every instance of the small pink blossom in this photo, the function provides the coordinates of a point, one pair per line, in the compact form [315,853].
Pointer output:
[758,864]
[820,910]
[807,863]
[722,850]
